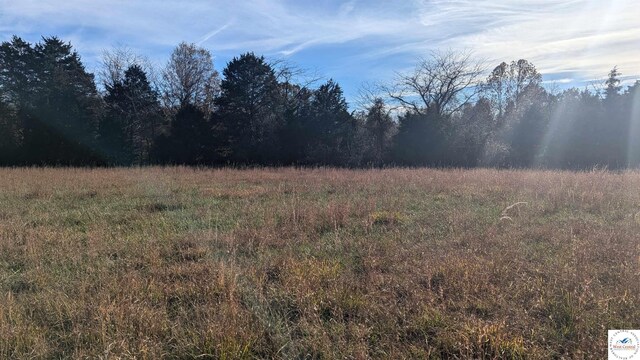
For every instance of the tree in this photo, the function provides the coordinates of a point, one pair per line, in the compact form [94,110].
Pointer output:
[440,84]
[379,127]
[8,134]
[514,89]
[60,125]
[526,140]
[246,118]
[615,125]
[190,78]
[144,111]
[295,110]
[421,140]
[18,76]
[114,128]
[18,84]
[612,84]
[115,62]
[574,140]
[330,128]
[509,84]
[132,120]
[472,130]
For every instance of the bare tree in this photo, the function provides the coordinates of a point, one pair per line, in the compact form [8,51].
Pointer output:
[190,78]
[289,73]
[293,80]
[442,83]
[507,84]
[114,62]
[368,95]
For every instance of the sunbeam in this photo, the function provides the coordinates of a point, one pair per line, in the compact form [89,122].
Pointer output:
[633,152]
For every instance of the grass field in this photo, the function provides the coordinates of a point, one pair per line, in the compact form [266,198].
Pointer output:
[285,263]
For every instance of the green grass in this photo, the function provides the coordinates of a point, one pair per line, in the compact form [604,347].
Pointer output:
[284,263]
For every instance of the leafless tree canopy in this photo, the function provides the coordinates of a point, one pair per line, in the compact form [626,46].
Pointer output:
[190,78]
[114,62]
[508,82]
[293,79]
[441,83]
[288,72]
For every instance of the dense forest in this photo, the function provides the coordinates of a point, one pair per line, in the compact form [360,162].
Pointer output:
[448,112]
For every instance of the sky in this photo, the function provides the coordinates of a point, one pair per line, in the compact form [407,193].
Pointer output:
[356,42]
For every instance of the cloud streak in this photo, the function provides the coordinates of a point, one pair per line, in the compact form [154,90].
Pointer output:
[214,33]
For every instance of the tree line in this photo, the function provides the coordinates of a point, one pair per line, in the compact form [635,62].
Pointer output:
[447,112]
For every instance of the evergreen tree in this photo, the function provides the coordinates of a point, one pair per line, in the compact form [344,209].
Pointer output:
[472,130]
[614,126]
[60,128]
[18,77]
[18,86]
[378,126]
[422,140]
[246,116]
[132,119]
[8,134]
[526,141]
[295,109]
[330,127]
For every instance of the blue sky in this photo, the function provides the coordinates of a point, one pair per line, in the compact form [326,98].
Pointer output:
[572,42]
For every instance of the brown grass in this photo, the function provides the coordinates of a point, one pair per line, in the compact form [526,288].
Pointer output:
[284,263]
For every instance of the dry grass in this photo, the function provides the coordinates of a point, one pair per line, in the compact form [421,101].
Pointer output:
[182,263]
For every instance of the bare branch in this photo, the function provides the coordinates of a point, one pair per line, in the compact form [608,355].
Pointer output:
[287,72]
[190,78]
[442,83]
[114,62]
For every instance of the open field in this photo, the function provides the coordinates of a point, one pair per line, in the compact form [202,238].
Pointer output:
[183,263]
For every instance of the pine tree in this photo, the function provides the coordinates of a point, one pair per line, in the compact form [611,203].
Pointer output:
[61,126]
[247,118]
[378,125]
[132,119]
[330,126]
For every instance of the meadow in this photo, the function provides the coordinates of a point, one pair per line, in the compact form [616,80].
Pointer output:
[182,263]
